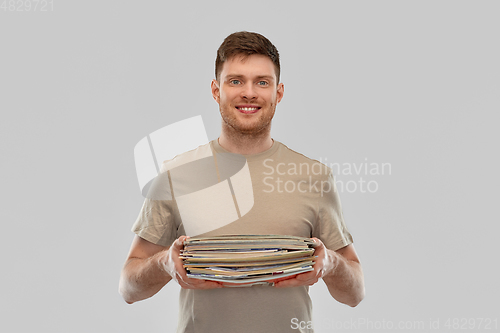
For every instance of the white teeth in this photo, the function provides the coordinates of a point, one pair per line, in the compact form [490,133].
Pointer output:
[248,109]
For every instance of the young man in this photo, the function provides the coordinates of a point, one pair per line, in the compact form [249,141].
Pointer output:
[247,89]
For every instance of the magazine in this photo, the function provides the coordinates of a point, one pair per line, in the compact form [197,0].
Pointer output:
[247,259]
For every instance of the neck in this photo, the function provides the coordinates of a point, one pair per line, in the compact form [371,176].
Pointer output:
[245,144]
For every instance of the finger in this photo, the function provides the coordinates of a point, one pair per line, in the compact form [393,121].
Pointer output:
[288,283]
[302,277]
[194,281]
[317,242]
[200,284]
[207,285]
[283,278]
[177,245]
[235,285]
[182,275]
[295,283]
[181,240]
[307,276]
[210,285]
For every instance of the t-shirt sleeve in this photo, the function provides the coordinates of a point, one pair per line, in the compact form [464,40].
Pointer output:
[156,222]
[330,227]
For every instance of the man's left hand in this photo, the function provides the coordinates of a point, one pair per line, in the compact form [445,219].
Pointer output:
[326,261]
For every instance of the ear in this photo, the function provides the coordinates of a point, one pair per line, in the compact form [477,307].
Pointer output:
[215,90]
[279,92]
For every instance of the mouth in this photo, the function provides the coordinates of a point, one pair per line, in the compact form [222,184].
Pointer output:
[248,109]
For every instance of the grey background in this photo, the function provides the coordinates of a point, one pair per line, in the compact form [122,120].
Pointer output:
[410,83]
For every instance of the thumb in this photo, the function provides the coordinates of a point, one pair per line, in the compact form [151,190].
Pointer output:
[179,242]
[317,242]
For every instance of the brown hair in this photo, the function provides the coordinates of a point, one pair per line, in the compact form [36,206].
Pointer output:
[246,43]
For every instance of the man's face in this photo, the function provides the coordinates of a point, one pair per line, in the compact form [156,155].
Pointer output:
[247,93]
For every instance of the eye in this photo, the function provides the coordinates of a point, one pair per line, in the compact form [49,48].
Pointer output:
[234,82]
[262,83]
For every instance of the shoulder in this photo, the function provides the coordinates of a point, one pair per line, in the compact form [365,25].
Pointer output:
[189,156]
[297,160]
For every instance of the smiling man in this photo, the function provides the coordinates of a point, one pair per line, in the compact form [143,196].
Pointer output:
[247,88]
[247,91]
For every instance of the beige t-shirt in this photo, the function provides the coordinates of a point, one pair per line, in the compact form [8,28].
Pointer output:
[292,195]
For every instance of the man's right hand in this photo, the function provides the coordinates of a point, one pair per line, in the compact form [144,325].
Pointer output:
[150,266]
[173,265]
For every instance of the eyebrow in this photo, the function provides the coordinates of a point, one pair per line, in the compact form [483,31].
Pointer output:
[268,77]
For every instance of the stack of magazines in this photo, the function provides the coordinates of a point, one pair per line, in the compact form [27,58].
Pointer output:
[248,259]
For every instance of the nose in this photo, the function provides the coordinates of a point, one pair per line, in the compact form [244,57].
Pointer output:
[248,92]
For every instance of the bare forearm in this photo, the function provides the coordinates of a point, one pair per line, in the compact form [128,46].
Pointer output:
[345,282]
[142,278]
